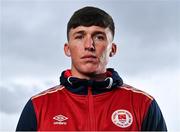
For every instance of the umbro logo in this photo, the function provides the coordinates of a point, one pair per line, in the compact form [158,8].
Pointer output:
[60,120]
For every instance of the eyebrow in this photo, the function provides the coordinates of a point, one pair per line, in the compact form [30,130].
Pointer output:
[94,33]
[79,32]
[99,32]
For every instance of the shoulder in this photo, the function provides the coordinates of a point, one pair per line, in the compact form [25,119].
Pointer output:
[49,92]
[135,92]
[49,96]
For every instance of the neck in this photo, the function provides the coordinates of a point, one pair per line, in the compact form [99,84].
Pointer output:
[90,76]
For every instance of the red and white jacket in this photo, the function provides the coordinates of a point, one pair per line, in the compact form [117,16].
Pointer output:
[85,105]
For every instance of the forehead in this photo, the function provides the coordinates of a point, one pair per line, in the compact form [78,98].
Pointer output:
[90,30]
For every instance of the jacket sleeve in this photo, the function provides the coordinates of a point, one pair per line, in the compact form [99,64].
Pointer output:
[27,120]
[154,120]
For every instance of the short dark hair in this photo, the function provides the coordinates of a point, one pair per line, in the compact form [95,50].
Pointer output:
[89,16]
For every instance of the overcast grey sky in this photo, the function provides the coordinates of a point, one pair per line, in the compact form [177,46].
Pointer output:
[33,33]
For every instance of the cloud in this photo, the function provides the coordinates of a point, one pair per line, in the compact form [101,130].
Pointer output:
[147,36]
[8,121]
[12,100]
[15,93]
[25,31]
[33,35]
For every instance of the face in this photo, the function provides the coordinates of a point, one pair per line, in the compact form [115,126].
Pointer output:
[89,49]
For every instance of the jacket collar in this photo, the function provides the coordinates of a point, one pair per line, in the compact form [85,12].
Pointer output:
[80,86]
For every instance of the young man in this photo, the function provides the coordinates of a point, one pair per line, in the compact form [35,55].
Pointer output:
[90,96]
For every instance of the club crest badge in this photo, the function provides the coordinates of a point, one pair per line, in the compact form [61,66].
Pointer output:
[122,118]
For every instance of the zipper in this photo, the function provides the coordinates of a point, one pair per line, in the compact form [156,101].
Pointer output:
[91,110]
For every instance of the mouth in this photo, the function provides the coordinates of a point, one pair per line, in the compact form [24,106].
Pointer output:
[88,57]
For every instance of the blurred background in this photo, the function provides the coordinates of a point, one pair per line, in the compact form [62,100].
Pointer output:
[33,33]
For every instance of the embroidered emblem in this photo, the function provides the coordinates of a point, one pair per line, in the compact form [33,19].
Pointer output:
[60,120]
[122,118]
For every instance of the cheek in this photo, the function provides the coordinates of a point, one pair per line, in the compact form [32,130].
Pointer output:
[75,50]
[104,55]
[76,53]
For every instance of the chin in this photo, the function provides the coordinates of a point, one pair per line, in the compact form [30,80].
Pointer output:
[91,70]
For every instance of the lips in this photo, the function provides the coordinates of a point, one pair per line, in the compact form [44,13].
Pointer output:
[88,57]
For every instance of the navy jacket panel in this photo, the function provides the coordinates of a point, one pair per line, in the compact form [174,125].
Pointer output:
[27,120]
[154,120]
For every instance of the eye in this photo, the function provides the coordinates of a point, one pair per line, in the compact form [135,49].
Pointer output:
[99,37]
[78,37]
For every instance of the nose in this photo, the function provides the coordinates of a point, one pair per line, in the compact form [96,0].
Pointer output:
[89,44]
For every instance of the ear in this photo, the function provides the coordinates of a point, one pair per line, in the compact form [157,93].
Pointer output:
[67,50]
[113,50]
